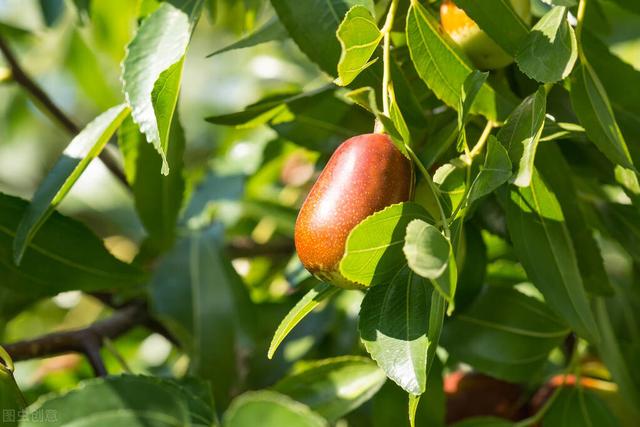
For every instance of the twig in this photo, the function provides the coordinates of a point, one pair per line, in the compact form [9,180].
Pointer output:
[386,34]
[246,247]
[50,108]
[87,341]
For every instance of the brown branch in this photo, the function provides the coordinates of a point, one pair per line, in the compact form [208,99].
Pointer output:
[47,105]
[87,341]
[242,247]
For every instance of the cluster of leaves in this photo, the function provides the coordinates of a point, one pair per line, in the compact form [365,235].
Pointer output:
[497,260]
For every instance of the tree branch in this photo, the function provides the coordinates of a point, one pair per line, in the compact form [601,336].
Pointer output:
[87,341]
[52,110]
[246,247]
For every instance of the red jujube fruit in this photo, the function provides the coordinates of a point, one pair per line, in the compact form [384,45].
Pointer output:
[364,175]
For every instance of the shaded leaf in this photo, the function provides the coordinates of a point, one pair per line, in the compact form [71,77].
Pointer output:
[470,89]
[270,409]
[272,30]
[550,50]
[623,224]
[495,171]
[318,119]
[394,323]
[195,287]
[11,400]
[484,422]
[622,84]
[391,401]
[577,407]
[611,353]
[504,333]
[46,270]
[557,174]
[324,17]
[85,147]
[591,104]
[311,300]
[541,241]
[88,73]
[126,400]
[630,5]
[334,387]
[52,10]
[521,134]
[158,198]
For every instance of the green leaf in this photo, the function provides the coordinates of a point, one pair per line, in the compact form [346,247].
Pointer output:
[195,287]
[394,124]
[373,252]
[484,422]
[84,264]
[395,114]
[577,407]
[88,72]
[323,48]
[542,243]
[359,37]
[611,353]
[12,402]
[444,68]
[52,10]
[521,134]
[426,249]
[472,85]
[550,50]
[125,400]
[334,387]
[430,255]
[495,172]
[272,30]
[394,322]
[262,111]
[270,409]
[591,104]
[313,24]
[499,20]
[630,5]
[472,265]
[318,119]
[557,174]
[504,333]
[13,32]
[113,24]
[306,305]
[622,84]
[470,89]
[451,180]
[14,300]
[391,401]
[158,198]
[85,147]
[622,222]
[152,69]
